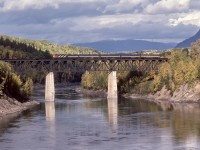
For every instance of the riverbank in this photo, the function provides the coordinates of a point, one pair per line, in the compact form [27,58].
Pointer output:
[91,92]
[10,106]
[184,94]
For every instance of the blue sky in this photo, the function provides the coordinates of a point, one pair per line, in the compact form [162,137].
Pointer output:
[79,21]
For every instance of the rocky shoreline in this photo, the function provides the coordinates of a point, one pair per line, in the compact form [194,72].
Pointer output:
[11,106]
[184,94]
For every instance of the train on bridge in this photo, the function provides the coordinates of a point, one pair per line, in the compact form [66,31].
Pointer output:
[125,55]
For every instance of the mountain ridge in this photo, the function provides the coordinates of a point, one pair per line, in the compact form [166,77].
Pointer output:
[187,42]
[126,45]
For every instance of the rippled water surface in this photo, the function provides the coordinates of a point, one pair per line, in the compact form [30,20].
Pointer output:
[75,122]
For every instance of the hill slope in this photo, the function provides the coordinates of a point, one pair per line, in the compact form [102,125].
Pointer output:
[11,47]
[189,41]
[127,45]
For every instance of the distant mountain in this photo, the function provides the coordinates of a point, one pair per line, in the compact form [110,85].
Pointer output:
[126,45]
[189,41]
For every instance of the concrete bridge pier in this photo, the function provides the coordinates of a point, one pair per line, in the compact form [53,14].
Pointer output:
[112,85]
[49,87]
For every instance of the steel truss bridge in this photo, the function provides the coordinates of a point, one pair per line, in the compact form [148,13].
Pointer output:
[81,63]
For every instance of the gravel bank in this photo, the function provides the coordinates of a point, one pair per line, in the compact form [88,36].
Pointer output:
[92,93]
[11,106]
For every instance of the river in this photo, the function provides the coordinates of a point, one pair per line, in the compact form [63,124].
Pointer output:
[76,122]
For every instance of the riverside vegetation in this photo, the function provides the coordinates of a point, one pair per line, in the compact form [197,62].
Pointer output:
[16,88]
[12,85]
[14,92]
[182,69]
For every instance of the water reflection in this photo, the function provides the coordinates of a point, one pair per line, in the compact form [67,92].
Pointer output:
[113,112]
[182,120]
[5,122]
[81,123]
[186,122]
[50,122]
[50,111]
[50,116]
[165,105]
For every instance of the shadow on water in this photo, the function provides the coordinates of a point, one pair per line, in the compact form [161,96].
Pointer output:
[13,120]
[9,122]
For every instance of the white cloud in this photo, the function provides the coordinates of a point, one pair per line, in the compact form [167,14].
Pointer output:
[89,20]
[168,6]
[115,23]
[107,21]
[124,5]
[192,18]
[10,5]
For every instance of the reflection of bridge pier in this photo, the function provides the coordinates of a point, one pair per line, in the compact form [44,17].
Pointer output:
[113,112]
[50,121]
[50,111]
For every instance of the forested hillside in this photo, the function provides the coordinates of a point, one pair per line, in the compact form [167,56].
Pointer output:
[182,68]
[11,48]
[16,48]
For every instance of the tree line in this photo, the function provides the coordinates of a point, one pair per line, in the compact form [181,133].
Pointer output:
[20,85]
[183,67]
[17,48]
[12,48]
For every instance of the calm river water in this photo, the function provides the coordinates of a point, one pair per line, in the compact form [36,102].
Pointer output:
[76,122]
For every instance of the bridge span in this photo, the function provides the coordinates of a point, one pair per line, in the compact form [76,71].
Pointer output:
[81,63]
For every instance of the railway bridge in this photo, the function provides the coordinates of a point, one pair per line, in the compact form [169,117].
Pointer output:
[81,63]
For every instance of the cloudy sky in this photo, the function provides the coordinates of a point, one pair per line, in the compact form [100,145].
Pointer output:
[77,21]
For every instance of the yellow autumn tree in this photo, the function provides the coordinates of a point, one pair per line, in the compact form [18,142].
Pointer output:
[191,72]
[163,77]
[87,80]
[195,49]
[185,72]
[179,72]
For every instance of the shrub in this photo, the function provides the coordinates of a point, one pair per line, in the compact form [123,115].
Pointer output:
[12,85]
